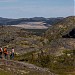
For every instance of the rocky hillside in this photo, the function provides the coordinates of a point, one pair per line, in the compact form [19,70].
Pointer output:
[22,40]
[58,54]
[60,29]
[54,51]
[61,35]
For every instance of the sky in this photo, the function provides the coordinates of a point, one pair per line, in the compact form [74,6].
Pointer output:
[36,8]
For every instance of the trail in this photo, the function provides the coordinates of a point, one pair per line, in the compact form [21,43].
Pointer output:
[23,65]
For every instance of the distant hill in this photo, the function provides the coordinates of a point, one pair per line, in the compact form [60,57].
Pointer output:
[51,21]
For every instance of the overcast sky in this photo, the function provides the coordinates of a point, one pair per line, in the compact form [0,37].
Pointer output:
[36,8]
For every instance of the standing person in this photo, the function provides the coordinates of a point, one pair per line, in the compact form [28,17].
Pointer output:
[5,53]
[1,50]
[12,53]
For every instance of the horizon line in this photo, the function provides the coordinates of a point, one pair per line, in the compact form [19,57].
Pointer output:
[36,17]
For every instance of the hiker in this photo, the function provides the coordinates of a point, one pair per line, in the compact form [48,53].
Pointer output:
[1,50]
[5,53]
[12,53]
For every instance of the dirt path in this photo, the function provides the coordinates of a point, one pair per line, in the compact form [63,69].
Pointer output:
[22,66]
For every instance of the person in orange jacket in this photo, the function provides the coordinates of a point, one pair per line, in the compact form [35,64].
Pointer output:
[5,53]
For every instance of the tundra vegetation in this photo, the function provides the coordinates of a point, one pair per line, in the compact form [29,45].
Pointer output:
[53,48]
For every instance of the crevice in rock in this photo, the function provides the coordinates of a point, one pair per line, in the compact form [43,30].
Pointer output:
[71,34]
